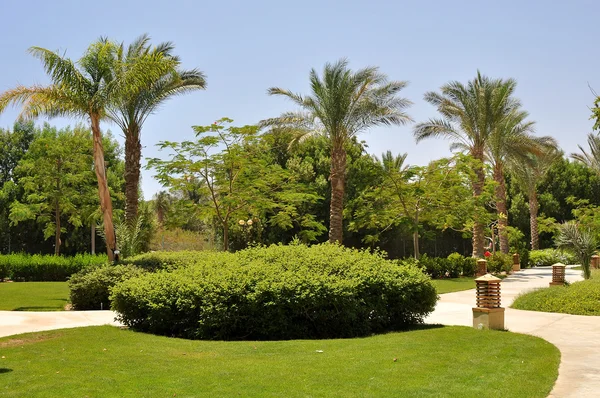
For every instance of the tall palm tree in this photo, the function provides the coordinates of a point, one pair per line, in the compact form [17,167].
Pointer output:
[131,110]
[83,90]
[342,104]
[528,174]
[470,115]
[592,158]
[512,141]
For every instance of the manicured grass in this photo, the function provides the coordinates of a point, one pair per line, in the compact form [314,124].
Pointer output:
[453,284]
[431,361]
[33,296]
[580,298]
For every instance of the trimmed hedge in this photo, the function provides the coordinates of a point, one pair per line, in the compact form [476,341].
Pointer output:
[453,266]
[90,288]
[155,261]
[277,292]
[500,262]
[37,267]
[547,257]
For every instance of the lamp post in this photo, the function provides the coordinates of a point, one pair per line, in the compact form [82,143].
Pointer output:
[246,225]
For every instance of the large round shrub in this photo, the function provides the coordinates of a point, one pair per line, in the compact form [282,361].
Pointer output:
[278,292]
[90,288]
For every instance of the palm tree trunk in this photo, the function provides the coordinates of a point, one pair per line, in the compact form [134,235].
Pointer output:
[133,154]
[533,224]
[57,241]
[103,192]
[338,185]
[416,236]
[478,183]
[501,207]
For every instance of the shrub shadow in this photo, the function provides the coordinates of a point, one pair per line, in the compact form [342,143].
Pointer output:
[5,370]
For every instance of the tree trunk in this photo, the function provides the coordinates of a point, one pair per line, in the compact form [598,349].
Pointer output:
[533,213]
[103,192]
[478,183]
[338,185]
[133,154]
[416,236]
[226,236]
[93,237]
[501,208]
[57,241]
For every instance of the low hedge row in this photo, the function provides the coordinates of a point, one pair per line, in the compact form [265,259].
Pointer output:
[276,292]
[37,267]
[547,257]
[453,266]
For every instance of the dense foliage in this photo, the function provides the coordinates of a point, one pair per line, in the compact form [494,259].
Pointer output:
[453,266]
[25,267]
[547,257]
[90,288]
[277,292]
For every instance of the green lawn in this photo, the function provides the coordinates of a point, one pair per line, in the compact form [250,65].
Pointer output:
[580,298]
[33,296]
[431,361]
[453,284]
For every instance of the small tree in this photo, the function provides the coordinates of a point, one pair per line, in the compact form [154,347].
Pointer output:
[581,241]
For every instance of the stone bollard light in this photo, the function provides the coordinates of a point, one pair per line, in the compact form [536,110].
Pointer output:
[481,267]
[558,275]
[595,261]
[516,262]
[488,314]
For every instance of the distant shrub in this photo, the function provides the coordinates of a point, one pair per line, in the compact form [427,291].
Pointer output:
[547,257]
[25,267]
[277,292]
[155,261]
[499,262]
[453,266]
[178,239]
[90,288]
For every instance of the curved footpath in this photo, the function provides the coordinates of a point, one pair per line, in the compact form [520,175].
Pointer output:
[577,337]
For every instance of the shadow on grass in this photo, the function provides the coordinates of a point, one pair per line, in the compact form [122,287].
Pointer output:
[37,309]
[5,370]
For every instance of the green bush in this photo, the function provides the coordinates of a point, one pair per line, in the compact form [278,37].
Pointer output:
[547,257]
[452,267]
[37,267]
[155,261]
[277,292]
[499,262]
[90,288]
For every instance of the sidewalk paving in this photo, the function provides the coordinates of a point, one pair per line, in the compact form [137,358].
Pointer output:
[577,337]
[16,322]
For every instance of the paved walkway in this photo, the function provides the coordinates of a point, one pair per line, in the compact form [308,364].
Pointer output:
[16,322]
[577,337]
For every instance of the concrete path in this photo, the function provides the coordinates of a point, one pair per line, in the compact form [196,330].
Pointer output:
[577,337]
[16,322]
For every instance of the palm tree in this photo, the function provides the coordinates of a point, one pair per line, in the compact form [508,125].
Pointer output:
[85,91]
[512,142]
[592,158]
[581,241]
[341,105]
[528,174]
[162,203]
[132,109]
[470,115]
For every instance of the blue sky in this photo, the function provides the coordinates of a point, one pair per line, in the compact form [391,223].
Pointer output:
[244,47]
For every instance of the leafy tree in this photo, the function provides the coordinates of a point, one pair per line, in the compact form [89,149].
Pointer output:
[238,181]
[55,174]
[85,90]
[131,109]
[471,113]
[343,104]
